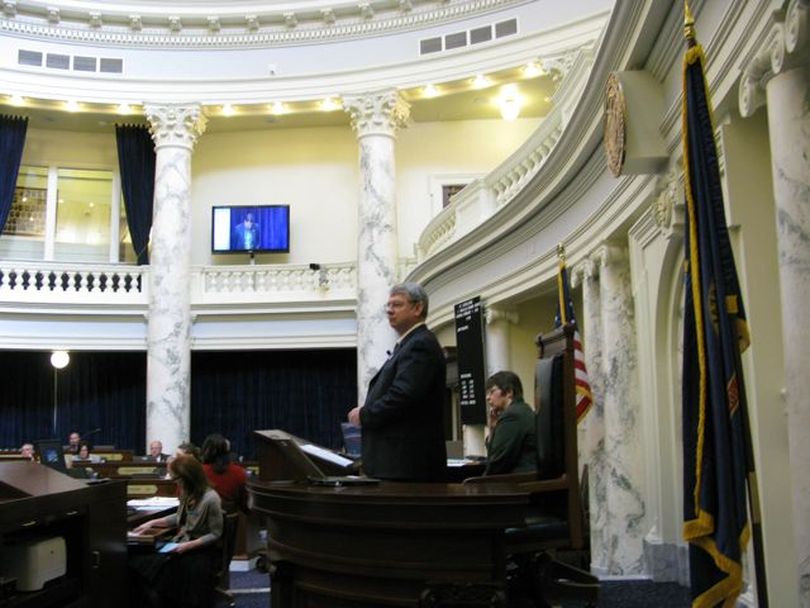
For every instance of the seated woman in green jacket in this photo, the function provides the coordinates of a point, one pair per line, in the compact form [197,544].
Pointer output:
[512,442]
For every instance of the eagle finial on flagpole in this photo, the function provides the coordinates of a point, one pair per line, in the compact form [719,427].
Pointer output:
[561,252]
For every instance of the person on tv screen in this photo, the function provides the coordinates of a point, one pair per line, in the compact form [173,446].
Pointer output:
[27,451]
[246,234]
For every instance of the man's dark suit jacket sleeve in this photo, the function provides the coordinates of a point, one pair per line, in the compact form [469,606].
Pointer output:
[415,369]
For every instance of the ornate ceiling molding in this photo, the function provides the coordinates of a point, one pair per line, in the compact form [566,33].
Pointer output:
[282,26]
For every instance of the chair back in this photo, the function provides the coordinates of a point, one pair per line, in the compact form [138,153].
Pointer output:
[555,404]
[228,542]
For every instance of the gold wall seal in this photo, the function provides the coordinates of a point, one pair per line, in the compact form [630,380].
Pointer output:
[615,124]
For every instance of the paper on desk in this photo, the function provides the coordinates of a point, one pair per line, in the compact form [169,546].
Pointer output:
[326,454]
[154,502]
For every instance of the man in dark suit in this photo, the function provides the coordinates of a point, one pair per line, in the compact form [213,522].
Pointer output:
[401,420]
[156,452]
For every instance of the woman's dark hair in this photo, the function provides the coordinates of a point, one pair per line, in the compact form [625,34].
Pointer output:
[506,381]
[188,471]
[189,448]
[216,452]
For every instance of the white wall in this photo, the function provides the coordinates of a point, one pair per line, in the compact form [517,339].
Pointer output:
[314,170]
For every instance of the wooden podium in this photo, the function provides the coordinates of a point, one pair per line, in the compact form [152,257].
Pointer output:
[388,544]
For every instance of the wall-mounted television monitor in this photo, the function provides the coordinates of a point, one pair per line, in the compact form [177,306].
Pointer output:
[250,228]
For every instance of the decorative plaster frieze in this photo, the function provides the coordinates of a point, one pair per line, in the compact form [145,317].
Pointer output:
[366,10]
[277,31]
[328,16]
[494,314]
[213,24]
[787,46]
[54,15]
[668,204]
[379,113]
[290,20]
[252,23]
[175,125]
[94,20]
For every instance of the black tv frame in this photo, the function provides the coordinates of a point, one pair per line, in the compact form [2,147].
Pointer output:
[232,250]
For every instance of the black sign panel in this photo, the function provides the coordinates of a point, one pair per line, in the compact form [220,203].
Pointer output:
[470,352]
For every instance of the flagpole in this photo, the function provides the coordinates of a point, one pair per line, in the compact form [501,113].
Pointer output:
[752,485]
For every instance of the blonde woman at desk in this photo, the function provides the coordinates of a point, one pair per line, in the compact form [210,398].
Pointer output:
[182,574]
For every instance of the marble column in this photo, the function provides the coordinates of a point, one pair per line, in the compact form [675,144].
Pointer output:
[498,358]
[783,68]
[591,431]
[622,535]
[175,129]
[375,117]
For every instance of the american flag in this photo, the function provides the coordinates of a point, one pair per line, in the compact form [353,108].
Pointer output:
[565,315]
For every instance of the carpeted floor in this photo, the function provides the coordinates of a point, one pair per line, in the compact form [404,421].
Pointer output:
[252,590]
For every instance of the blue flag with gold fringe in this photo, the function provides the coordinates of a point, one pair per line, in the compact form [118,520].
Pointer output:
[715,516]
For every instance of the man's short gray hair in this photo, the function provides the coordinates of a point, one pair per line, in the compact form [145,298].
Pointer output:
[415,293]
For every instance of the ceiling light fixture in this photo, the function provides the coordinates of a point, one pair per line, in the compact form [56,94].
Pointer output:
[532,70]
[71,105]
[480,82]
[430,91]
[329,105]
[124,108]
[227,110]
[509,102]
[278,108]
[16,100]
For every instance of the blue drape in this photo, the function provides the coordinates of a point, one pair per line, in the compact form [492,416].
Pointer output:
[12,140]
[307,393]
[136,161]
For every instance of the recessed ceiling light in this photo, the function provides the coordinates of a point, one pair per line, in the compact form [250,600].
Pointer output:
[531,70]
[278,108]
[71,105]
[227,110]
[16,100]
[480,82]
[329,104]
[124,108]
[430,91]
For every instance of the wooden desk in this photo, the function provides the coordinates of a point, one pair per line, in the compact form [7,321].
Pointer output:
[383,545]
[36,501]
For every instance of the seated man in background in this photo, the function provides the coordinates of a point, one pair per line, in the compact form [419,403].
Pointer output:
[27,451]
[74,443]
[156,452]
[512,442]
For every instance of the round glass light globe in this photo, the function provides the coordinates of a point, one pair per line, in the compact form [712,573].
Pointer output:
[60,359]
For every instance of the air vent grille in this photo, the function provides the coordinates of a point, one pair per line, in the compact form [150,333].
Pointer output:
[506,28]
[430,45]
[455,41]
[84,64]
[476,35]
[111,66]
[57,62]
[79,63]
[29,58]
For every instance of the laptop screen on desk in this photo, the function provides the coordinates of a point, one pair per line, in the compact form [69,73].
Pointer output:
[51,454]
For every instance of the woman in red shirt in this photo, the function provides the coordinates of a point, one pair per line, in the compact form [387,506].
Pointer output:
[226,478]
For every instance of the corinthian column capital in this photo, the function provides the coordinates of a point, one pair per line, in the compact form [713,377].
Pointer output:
[379,113]
[493,314]
[586,268]
[175,124]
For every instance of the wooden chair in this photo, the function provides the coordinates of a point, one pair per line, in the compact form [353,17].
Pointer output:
[555,519]
[222,585]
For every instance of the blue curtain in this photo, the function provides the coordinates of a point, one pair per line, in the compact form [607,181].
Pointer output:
[136,161]
[307,393]
[12,140]
[97,390]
